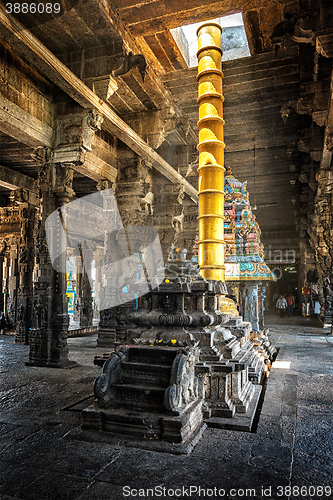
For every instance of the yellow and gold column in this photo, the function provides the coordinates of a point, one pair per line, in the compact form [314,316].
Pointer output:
[211,153]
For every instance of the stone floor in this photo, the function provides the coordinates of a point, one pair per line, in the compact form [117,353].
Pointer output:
[292,445]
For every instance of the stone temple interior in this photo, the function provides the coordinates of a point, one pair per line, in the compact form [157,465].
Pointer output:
[157,201]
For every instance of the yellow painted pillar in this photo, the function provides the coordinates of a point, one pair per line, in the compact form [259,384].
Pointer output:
[211,153]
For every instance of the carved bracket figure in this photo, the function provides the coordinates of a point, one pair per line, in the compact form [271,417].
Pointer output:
[292,28]
[129,61]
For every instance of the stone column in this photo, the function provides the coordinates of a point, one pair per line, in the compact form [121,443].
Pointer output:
[25,270]
[78,274]
[48,341]
[12,281]
[262,297]
[251,306]
[107,323]
[5,282]
[43,287]
[307,263]
[98,283]
[2,258]
[64,193]
[85,311]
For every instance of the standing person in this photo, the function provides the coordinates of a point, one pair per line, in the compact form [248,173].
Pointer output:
[281,305]
[317,307]
[290,304]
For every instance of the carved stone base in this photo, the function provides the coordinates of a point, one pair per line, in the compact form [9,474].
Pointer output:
[160,335]
[243,399]
[240,329]
[40,355]
[62,364]
[107,328]
[257,370]
[240,421]
[228,378]
[265,353]
[106,337]
[217,389]
[148,393]
[145,425]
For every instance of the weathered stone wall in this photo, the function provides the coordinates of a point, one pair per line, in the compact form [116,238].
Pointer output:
[23,86]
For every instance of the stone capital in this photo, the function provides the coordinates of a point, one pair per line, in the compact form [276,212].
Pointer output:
[77,131]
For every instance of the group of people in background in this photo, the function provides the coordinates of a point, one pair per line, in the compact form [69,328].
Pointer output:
[283,304]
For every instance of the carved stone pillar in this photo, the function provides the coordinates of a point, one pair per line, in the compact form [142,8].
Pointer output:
[12,281]
[78,273]
[2,258]
[48,340]
[107,323]
[5,275]
[134,180]
[98,283]
[328,294]
[25,270]
[64,193]
[85,311]
[262,297]
[168,213]
[41,323]
[251,312]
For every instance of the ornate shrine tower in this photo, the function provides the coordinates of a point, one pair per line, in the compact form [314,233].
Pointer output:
[246,272]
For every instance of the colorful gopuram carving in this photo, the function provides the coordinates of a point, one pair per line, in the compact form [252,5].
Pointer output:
[246,273]
[244,251]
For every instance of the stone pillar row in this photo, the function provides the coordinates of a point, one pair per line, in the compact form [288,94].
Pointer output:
[36,298]
[17,222]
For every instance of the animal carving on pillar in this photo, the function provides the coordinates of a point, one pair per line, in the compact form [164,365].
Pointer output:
[129,61]
[293,28]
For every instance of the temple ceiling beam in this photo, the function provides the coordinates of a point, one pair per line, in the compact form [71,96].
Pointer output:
[27,46]
[24,127]
[11,179]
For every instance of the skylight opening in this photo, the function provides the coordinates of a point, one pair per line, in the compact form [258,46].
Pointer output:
[234,40]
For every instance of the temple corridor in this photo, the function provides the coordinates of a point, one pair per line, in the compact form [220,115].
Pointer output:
[45,455]
[166,203]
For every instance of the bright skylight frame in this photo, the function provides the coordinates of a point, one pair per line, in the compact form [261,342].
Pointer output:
[234,40]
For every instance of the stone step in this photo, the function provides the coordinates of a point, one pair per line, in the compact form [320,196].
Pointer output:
[143,424]
[139,396]
[145,374]
[209,357]
[157,356]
